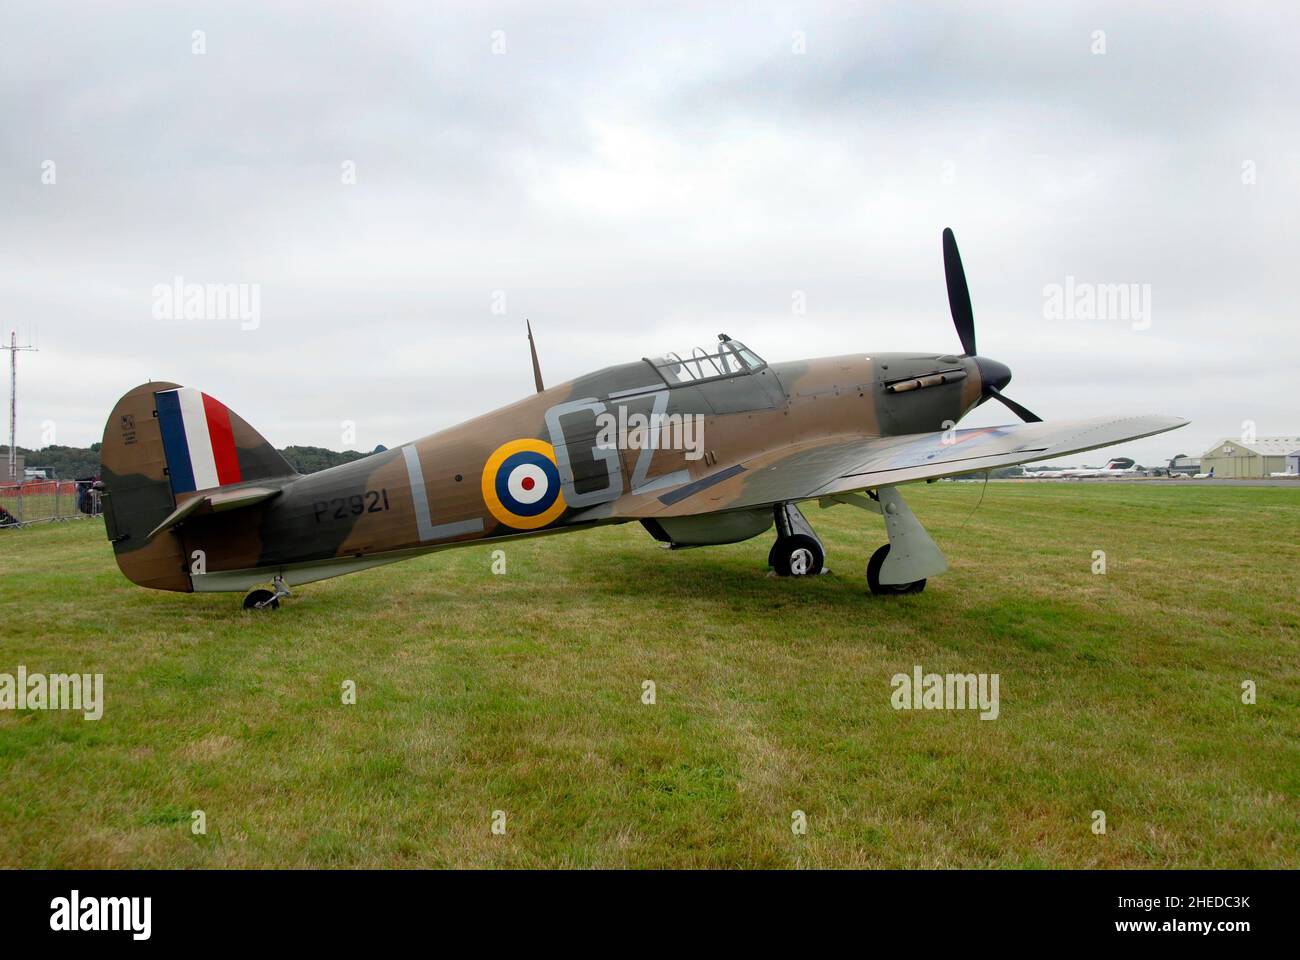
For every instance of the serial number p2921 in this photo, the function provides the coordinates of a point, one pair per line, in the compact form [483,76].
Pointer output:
[339,508]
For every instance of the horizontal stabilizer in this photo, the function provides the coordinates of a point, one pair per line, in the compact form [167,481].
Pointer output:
[215,501]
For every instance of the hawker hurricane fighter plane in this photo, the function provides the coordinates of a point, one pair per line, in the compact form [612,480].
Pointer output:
[713,447]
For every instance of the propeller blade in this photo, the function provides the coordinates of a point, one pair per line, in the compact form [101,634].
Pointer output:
[1023,413]
[963,318]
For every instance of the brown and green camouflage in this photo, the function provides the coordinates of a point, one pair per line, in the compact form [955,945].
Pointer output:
[430,494]
[767,436]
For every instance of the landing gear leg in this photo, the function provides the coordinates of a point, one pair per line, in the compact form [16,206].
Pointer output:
[910,558]
[797,552]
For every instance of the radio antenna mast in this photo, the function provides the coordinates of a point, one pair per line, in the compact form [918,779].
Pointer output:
[13,347]
[537,368]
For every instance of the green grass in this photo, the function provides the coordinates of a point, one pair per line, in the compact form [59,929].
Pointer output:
[522,693]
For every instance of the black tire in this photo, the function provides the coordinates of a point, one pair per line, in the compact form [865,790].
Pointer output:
[888,589]
[797,555]
[257,600]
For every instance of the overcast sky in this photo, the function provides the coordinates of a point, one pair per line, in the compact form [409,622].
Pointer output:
[636,179]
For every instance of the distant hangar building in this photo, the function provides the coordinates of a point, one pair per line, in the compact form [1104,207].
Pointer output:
[1233,458]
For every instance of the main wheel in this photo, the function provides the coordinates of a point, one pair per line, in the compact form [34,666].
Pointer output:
[797,555]
[873,577]
[257,600]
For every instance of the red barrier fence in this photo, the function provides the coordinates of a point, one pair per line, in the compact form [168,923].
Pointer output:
[36,501]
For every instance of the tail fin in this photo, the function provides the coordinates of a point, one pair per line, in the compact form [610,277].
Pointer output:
[162,444]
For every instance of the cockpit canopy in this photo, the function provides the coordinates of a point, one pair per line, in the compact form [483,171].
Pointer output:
[729,358]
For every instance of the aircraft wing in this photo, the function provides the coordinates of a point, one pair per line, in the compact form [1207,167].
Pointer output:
[819,468]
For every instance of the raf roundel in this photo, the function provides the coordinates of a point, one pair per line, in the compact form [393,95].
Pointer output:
[521,484]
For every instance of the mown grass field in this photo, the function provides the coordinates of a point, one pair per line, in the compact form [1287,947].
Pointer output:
[522,693]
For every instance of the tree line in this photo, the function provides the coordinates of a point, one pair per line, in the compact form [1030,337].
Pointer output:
[75,463]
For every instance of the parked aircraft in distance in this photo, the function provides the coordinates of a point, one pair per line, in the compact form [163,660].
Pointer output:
[1118,467]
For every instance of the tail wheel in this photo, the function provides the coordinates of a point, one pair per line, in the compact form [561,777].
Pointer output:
[262,600]
[888,589]
[796,556]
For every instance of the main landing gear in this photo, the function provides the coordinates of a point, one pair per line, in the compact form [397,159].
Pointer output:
[797,551]
[267,599]
[901,566]
[873,576]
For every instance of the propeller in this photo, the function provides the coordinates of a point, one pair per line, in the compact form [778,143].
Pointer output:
[963,317]
[993,375]
[1024,413]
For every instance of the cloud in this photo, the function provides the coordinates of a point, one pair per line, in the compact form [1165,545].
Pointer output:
[636,179]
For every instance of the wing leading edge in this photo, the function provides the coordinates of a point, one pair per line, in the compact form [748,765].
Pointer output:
[832,465]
